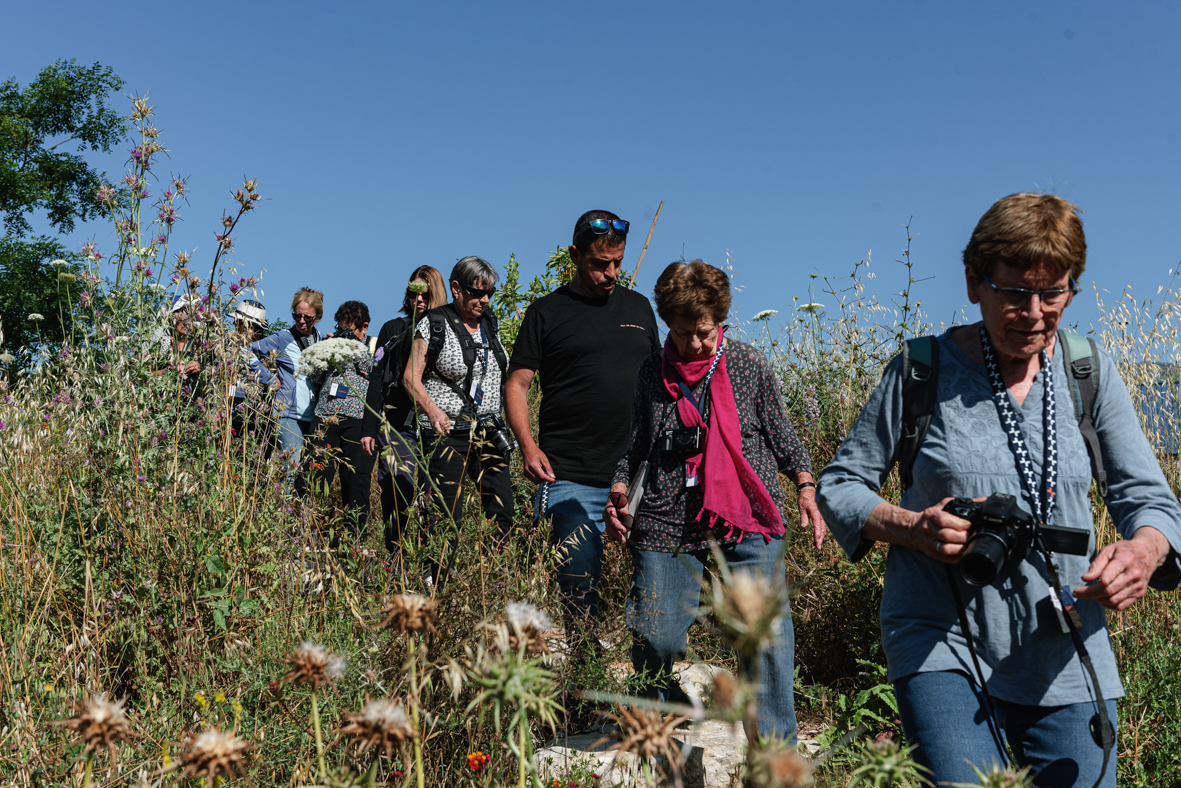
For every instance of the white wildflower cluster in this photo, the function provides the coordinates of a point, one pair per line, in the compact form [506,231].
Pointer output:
[335,353]
[812,307]
[766,314]
[526,616]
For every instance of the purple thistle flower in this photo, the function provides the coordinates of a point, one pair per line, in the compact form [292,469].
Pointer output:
[141,478]
[163,238]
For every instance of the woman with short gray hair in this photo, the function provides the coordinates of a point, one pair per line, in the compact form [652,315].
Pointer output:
[456,378]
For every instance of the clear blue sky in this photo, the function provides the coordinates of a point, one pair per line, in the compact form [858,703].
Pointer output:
[798,136]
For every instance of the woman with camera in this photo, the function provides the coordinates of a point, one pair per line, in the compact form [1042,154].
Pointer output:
[1010,643]
[708,419]
[456,379]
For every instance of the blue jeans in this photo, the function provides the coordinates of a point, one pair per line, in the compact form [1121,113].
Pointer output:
[577,512]
[946,715]
[290,436]
[662,604]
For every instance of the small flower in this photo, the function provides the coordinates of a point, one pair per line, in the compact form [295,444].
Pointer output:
[766,314]
[201,701]
[381,725]
[99,723]
[527,624]
[781,768]
[417,287]
[211,754]
[409,613]
[59,264]
[36,318]
[313,664]
[156,287]
[477,760]
[810,307]
[66,278]
[7,358]
[643,732]
[749,610]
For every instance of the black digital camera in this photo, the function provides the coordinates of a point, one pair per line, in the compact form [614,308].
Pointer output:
[682,439]
[497,436]
[1002,533]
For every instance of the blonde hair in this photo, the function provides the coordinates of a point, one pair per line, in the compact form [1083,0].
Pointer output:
[436,286]
[314,299]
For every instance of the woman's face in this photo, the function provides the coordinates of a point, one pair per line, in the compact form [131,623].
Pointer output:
[421,299]
[694,339]
[470,305]
[1020,325]
[304,318]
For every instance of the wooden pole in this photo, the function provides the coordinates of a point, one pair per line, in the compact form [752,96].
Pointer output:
[636,272]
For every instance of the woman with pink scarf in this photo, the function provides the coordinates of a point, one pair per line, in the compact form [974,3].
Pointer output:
[708,418]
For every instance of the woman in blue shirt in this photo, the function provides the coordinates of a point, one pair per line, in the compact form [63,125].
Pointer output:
[1004,422]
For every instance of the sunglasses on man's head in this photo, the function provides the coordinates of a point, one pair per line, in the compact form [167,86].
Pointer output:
[477,291]
[603,226]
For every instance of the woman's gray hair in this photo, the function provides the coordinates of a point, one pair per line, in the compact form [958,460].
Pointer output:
[473,269]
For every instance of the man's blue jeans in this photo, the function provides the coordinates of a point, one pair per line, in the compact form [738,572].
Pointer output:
[662,604]
[577,512]
[946,715]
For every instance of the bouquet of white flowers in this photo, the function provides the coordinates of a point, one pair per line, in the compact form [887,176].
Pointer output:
[336,353]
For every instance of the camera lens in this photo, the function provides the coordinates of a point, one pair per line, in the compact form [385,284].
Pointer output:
[986,555]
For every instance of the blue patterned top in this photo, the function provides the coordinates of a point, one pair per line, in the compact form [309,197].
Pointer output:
[356,377]
[1024,656]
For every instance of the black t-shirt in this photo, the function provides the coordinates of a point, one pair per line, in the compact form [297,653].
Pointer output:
[587,353]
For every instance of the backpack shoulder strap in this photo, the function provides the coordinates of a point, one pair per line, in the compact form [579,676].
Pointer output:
[920,378]
[440,318]
[1080,356]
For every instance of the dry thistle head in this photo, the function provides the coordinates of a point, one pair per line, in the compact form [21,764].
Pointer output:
[381,725]
[409,613]
[313,664]
[749,610]
[99,723]
[212,754]
[526,625]
[778,767]
[726,695]
[643,732]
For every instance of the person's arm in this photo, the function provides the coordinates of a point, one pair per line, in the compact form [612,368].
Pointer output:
[1141,503]
[789,451]
[516,395]
[639,446]
[258,351]
[412,379]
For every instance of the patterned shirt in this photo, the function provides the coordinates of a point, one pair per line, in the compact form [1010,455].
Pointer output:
[356,377]
[485,374]
[667,520]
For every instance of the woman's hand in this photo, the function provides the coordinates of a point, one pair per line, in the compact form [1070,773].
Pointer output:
[615,511]
[439,420]
[933,532]
[187,368]
[810,514]
[369,445]
[1119,575]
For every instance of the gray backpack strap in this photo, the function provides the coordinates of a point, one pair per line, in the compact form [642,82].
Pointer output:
[920,383]
[1081,359]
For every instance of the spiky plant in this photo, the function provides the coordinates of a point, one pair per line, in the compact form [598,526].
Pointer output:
[647,734]
[314,665]
[883,763]
[99,722]
[210,754]
[381,726]
[999,777]
[777,765]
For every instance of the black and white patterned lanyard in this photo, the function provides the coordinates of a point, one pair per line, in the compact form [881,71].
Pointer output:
[1043,500]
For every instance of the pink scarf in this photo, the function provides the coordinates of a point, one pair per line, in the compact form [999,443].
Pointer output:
[734,494]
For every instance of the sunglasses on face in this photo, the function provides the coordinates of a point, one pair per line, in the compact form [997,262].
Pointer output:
[298,318]
[426,294]
[1019,296]
[477,292]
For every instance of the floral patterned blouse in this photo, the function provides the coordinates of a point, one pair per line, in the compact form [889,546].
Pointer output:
[666,522]
[356,377]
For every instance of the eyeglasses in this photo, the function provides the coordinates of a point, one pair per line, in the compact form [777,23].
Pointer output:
[426,294]
[603,226]
[478,292]
[1019,296]
[298,318]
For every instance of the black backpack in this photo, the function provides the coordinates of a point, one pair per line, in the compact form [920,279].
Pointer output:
[920,375]
[395,357]
[442,317]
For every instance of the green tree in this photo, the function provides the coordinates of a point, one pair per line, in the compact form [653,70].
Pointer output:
[44,130]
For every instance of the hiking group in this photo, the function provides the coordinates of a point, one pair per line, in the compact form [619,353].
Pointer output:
[993,612]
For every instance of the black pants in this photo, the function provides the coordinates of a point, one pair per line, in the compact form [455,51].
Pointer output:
[398,480]
[342,453]
[455,458]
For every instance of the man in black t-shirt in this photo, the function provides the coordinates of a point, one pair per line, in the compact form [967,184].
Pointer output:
[586,339]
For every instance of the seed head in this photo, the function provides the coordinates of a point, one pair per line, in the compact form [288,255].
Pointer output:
[99,723]
[749,610]
[643,732]
[526,625]
[779,768]
[381,725]
[726,692]
[409,613]
[313,664]
[212,754]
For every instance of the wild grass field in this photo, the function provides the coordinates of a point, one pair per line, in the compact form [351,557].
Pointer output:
[149,555]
